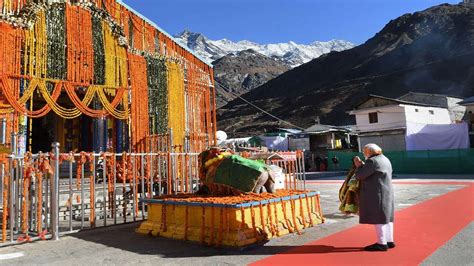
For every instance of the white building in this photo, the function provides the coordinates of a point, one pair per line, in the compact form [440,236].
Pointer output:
[385,120]
[452,103]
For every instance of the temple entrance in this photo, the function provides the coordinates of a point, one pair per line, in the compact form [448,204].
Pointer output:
[83,133]
[72,134]
[80,134]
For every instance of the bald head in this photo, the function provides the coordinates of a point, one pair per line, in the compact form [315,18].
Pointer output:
[372,149]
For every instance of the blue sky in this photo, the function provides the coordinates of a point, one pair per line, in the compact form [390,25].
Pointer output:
[270,21]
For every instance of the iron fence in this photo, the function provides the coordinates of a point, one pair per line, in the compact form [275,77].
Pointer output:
[46,195]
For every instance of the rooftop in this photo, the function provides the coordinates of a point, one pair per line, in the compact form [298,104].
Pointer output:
[320,128]
[467,101]
[398,101]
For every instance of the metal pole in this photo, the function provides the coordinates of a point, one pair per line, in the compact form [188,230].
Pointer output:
[15,198]
[4,130]
[142,196]
[70,195]
[104,190]
[115,188]
[13,142]
[304,172]
[10,202]
[55,193]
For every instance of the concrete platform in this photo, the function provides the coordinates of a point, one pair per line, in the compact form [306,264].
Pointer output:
[121,245]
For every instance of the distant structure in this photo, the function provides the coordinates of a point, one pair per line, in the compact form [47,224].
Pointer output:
[415,121]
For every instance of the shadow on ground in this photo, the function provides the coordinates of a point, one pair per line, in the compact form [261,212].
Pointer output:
[124,238]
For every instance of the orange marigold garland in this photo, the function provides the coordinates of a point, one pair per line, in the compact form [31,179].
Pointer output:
[80,163]
[320,212]
[254,227]
[269,214]
[221,227]
[292,205]
[211,235]
[262,219]
[203,224]
[186,217]
[285,217]
[110,161]
[163,218]
[309,211]
[302,212]
[277,225]
[242,213]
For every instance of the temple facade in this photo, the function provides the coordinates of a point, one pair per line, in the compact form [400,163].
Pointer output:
[95,75]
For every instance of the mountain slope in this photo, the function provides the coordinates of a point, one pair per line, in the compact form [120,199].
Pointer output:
[430,51]
[243,72]
[290,53]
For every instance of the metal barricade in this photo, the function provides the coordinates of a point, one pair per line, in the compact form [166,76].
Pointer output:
[46,195]
[292,163]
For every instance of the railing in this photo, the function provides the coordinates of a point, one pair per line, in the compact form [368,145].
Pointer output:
[292,163]
[48,194]
[45,195]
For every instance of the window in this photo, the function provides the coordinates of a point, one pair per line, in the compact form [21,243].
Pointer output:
[431,112]
[373,118]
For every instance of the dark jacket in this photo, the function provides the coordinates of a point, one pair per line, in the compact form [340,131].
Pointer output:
[376,203]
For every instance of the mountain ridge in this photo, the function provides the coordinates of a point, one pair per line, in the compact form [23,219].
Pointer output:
[428,51]
[290,53]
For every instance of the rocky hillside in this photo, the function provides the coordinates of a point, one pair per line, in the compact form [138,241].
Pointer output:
[244,65]
[430,51]
[242,72]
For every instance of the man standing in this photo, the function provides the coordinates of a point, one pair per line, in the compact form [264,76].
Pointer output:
[376,203]
[335,161]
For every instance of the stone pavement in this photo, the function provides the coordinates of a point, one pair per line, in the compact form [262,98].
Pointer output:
[121,245]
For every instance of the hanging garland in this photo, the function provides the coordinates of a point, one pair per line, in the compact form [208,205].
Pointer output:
[115,60]
[139,110]
[55,26]
[99,52]
[83,42]
[68,113]
[157,95]
[80,52]
[176,102]
[35,52]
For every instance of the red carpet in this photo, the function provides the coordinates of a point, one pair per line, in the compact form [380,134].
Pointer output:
[419,231]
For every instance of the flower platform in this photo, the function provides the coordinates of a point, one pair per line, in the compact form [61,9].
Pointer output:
[235,221]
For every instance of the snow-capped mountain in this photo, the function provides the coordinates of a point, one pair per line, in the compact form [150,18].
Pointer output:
[290,53]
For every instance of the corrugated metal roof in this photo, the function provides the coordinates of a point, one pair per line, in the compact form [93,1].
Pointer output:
[320,128]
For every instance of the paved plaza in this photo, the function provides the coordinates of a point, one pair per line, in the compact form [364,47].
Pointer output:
[433,226]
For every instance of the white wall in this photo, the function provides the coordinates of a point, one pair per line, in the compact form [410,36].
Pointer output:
[389,117]
[397,116]
[423,116]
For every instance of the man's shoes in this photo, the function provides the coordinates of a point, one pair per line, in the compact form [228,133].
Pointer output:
[391,244]
[376,247]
